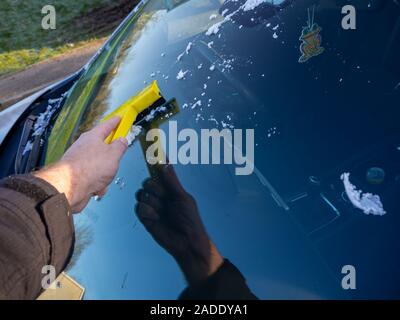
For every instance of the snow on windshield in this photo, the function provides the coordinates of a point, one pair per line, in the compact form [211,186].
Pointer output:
[43,120]
[225,65]
[211,36]
[247,6]
[133,133]
[367,202]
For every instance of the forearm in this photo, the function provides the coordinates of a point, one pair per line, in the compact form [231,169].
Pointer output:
[36,229]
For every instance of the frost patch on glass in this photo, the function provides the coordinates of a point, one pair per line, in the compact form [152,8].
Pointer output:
[367,202]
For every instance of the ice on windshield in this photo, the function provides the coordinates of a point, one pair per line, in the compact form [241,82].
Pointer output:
[120,182]
[249,5]
[43,120]
[28,147]
[367,202]
[223,63]
[181,74]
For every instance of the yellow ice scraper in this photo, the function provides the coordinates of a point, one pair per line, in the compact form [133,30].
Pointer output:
[149,98]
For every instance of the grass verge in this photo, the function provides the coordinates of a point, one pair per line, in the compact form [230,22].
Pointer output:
[23,42]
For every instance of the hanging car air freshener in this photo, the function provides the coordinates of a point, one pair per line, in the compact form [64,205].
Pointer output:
[311,39]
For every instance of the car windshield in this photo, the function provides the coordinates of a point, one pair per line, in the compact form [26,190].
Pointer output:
[323,101]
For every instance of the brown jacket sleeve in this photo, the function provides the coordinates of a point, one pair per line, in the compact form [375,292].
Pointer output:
[227,283]
[36,229]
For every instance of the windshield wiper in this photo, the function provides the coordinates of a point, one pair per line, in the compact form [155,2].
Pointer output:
[19,165]
[33,155]
[28,150]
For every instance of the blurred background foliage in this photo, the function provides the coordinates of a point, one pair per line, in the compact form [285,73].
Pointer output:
[23,41]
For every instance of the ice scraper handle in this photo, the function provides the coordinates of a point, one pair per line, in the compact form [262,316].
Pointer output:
[129,110]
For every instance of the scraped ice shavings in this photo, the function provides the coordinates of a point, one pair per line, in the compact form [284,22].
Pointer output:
[367,202]
[178,58]
[187,50]
[133,133]
[181,74]
[28,147]
[199,117]
[212,119]
[120,182]
[44,118]
[196,104]
[153,113]
[227,125]
[136,130]
[188,47]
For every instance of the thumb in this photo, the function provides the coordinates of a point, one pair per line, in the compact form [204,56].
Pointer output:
[118,147]
[105,128]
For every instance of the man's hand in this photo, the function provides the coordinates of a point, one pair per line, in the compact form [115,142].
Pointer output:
[87,167]
[171,216]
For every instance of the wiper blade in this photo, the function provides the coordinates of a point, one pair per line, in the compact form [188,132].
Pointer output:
[28,125]
[33,155]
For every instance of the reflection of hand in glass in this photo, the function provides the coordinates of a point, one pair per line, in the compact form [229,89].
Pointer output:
[171,216]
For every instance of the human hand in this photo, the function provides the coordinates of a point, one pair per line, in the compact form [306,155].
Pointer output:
[88,166]
[171,216]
